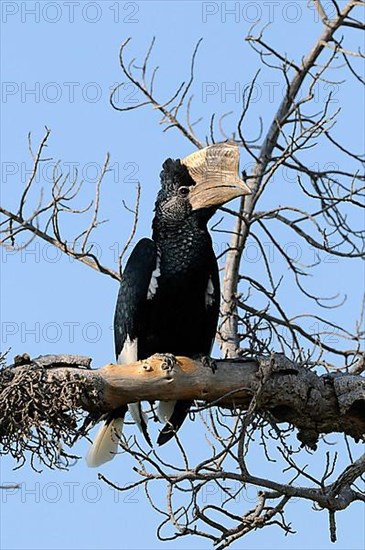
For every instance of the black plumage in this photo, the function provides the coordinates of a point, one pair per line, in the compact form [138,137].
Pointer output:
[168,300]
[179,313]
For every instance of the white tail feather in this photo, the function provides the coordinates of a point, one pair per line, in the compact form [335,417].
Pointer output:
[105,445]
[135,413]
[165,410]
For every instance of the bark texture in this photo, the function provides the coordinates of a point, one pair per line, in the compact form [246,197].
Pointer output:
[288,391]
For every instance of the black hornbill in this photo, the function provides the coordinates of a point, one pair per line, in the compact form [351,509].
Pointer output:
[169,295]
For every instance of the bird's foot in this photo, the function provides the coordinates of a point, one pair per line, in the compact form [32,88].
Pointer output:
[168,360]
[209,363]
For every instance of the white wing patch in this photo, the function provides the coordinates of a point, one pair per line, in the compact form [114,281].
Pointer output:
[152,289]
[129,353]
[105,445]
[165,410]
[138,415]
[209,293]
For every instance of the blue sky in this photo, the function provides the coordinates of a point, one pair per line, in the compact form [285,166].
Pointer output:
[59,62]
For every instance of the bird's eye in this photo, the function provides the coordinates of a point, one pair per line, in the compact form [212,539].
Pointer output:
[184,191]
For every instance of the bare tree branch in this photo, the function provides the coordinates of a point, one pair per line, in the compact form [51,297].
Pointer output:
[260,176]
[279,386]
[65,189]
[256,402]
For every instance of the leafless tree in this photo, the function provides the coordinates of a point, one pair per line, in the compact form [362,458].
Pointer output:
[325,215]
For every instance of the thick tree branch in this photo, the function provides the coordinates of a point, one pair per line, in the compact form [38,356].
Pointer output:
[288,391]
[260,176]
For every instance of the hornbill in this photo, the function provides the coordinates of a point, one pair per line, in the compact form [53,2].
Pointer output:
[168,300]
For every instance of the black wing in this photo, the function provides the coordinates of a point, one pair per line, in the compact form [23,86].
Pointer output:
[212,300]
[132,296]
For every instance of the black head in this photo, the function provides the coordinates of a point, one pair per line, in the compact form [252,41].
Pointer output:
[173,200]
[194,188]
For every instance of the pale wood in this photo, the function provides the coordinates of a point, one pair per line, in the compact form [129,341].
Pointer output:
[288,391]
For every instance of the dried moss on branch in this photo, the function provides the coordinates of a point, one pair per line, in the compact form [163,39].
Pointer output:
[43,400]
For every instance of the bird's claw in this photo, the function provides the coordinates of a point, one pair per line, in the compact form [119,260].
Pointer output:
[209,363]
[168,361]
